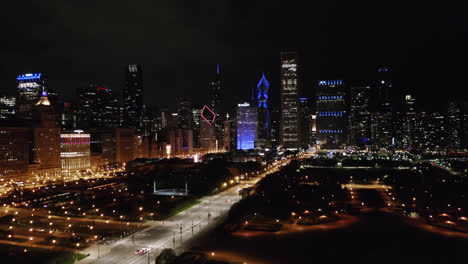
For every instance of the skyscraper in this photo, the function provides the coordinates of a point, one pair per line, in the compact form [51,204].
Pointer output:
[289,131]
[215,94]
[97,108]
[360,128]
[7,106]
[307,138]
[196,116]
[382,130]
[232,133]
[430,134]
[133,97]
[185,122]
[410,122]
[382,134]
[149,123]
[457,126]
[184,110]
[15,150]
[227,134]
[332,116]
[246,126]
[216,106]
[207,136]
[46,139]
[261,101]
[275,126]
[68,116]
[30,87]
[383,85]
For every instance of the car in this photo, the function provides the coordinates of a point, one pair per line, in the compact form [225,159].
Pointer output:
[148,248]
[143,251]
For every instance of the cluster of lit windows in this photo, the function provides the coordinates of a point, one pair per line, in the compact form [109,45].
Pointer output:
[331,82]
[331,131]
[330,97]
[75,141]
[338,113]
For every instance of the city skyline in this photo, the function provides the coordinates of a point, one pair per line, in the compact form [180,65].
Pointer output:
[225,132]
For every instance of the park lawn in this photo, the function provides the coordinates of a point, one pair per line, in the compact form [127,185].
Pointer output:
[182,207]
[68,258]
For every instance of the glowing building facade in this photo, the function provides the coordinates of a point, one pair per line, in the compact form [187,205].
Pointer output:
[75,152]
[246,126]
[263,113]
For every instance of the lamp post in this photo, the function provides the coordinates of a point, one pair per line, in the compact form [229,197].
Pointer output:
[76,252]
[180,227]
[98,240]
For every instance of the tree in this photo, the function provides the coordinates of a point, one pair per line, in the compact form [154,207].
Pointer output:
[167,256]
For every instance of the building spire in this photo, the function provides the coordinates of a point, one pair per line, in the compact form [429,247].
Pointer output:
[43,100]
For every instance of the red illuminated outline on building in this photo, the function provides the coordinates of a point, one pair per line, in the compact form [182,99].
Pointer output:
[75,140]
[101,88]
[214,115]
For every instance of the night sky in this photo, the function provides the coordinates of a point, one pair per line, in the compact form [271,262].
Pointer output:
[178,43]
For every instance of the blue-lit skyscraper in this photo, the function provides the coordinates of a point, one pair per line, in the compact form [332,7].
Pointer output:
[30,87]
[246,126]
[261,101]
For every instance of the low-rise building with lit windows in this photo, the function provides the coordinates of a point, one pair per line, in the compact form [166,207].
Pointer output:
[75,152]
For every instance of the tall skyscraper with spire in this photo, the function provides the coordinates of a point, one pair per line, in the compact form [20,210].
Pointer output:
[384,85]
[215,93]
[289,131]
[133,97]
[217,107]
[46,138]
[261,101]
[382,117]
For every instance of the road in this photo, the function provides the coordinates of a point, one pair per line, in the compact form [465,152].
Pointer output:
[168,234]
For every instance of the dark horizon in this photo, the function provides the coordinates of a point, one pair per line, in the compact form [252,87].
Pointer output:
[179,44]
